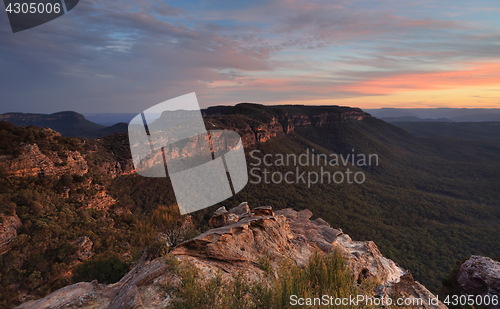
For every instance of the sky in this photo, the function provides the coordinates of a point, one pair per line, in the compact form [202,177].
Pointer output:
[119,56]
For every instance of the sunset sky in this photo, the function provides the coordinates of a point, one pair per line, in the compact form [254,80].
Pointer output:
[119,56]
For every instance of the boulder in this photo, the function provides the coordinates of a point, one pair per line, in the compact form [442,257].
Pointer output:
[219,218]
[240,210]
[222,217]
[480,276]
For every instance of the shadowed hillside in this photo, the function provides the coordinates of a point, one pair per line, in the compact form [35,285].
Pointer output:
[479,131]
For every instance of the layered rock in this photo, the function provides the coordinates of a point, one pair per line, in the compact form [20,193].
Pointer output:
[326,118]
[265,131]
[68,297]
[32,162]
[253,131]
[236,247]
[223,217]
[480,276]
[8,231]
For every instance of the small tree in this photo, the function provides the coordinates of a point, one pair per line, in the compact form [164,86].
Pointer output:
[174,227]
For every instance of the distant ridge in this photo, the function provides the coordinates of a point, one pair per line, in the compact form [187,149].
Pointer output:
[68,123]
[120,127]
[414,119]
[477,131]
[110,119]
[453,114]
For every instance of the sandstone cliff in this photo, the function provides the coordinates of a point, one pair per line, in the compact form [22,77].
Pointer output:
[257,124]
[33,162]
[235,247]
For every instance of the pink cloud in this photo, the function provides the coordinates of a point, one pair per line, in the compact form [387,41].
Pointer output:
[481,74]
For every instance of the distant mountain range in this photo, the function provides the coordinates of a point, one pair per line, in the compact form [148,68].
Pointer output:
[413,119]
[478,131]
[426,114]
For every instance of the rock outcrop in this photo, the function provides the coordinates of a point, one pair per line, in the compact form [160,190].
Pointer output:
[8,231]
[84,245]
[101,200]
[114,169]
[236,247]
[140,288]
[33,162]
[223,217]
[480,276]
[68,297]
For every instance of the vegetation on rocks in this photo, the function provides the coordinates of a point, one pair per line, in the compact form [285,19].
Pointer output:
[323,275]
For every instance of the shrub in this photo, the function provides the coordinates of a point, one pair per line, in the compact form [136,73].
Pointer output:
[324,275]
[157,249]
[105,268]
[265,263]
[174,227]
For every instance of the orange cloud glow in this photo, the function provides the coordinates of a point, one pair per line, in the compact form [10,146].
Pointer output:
[485,74]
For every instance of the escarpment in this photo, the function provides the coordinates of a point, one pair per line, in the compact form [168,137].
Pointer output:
[257,123]
[242,237]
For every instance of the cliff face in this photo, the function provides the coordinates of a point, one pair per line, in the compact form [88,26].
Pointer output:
[326,118]
[252,129]
[236,247]
[268,124]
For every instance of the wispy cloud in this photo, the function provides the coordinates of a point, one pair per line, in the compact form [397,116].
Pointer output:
[123,55]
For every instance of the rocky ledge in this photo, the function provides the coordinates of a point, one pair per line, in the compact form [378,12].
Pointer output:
[240,238]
